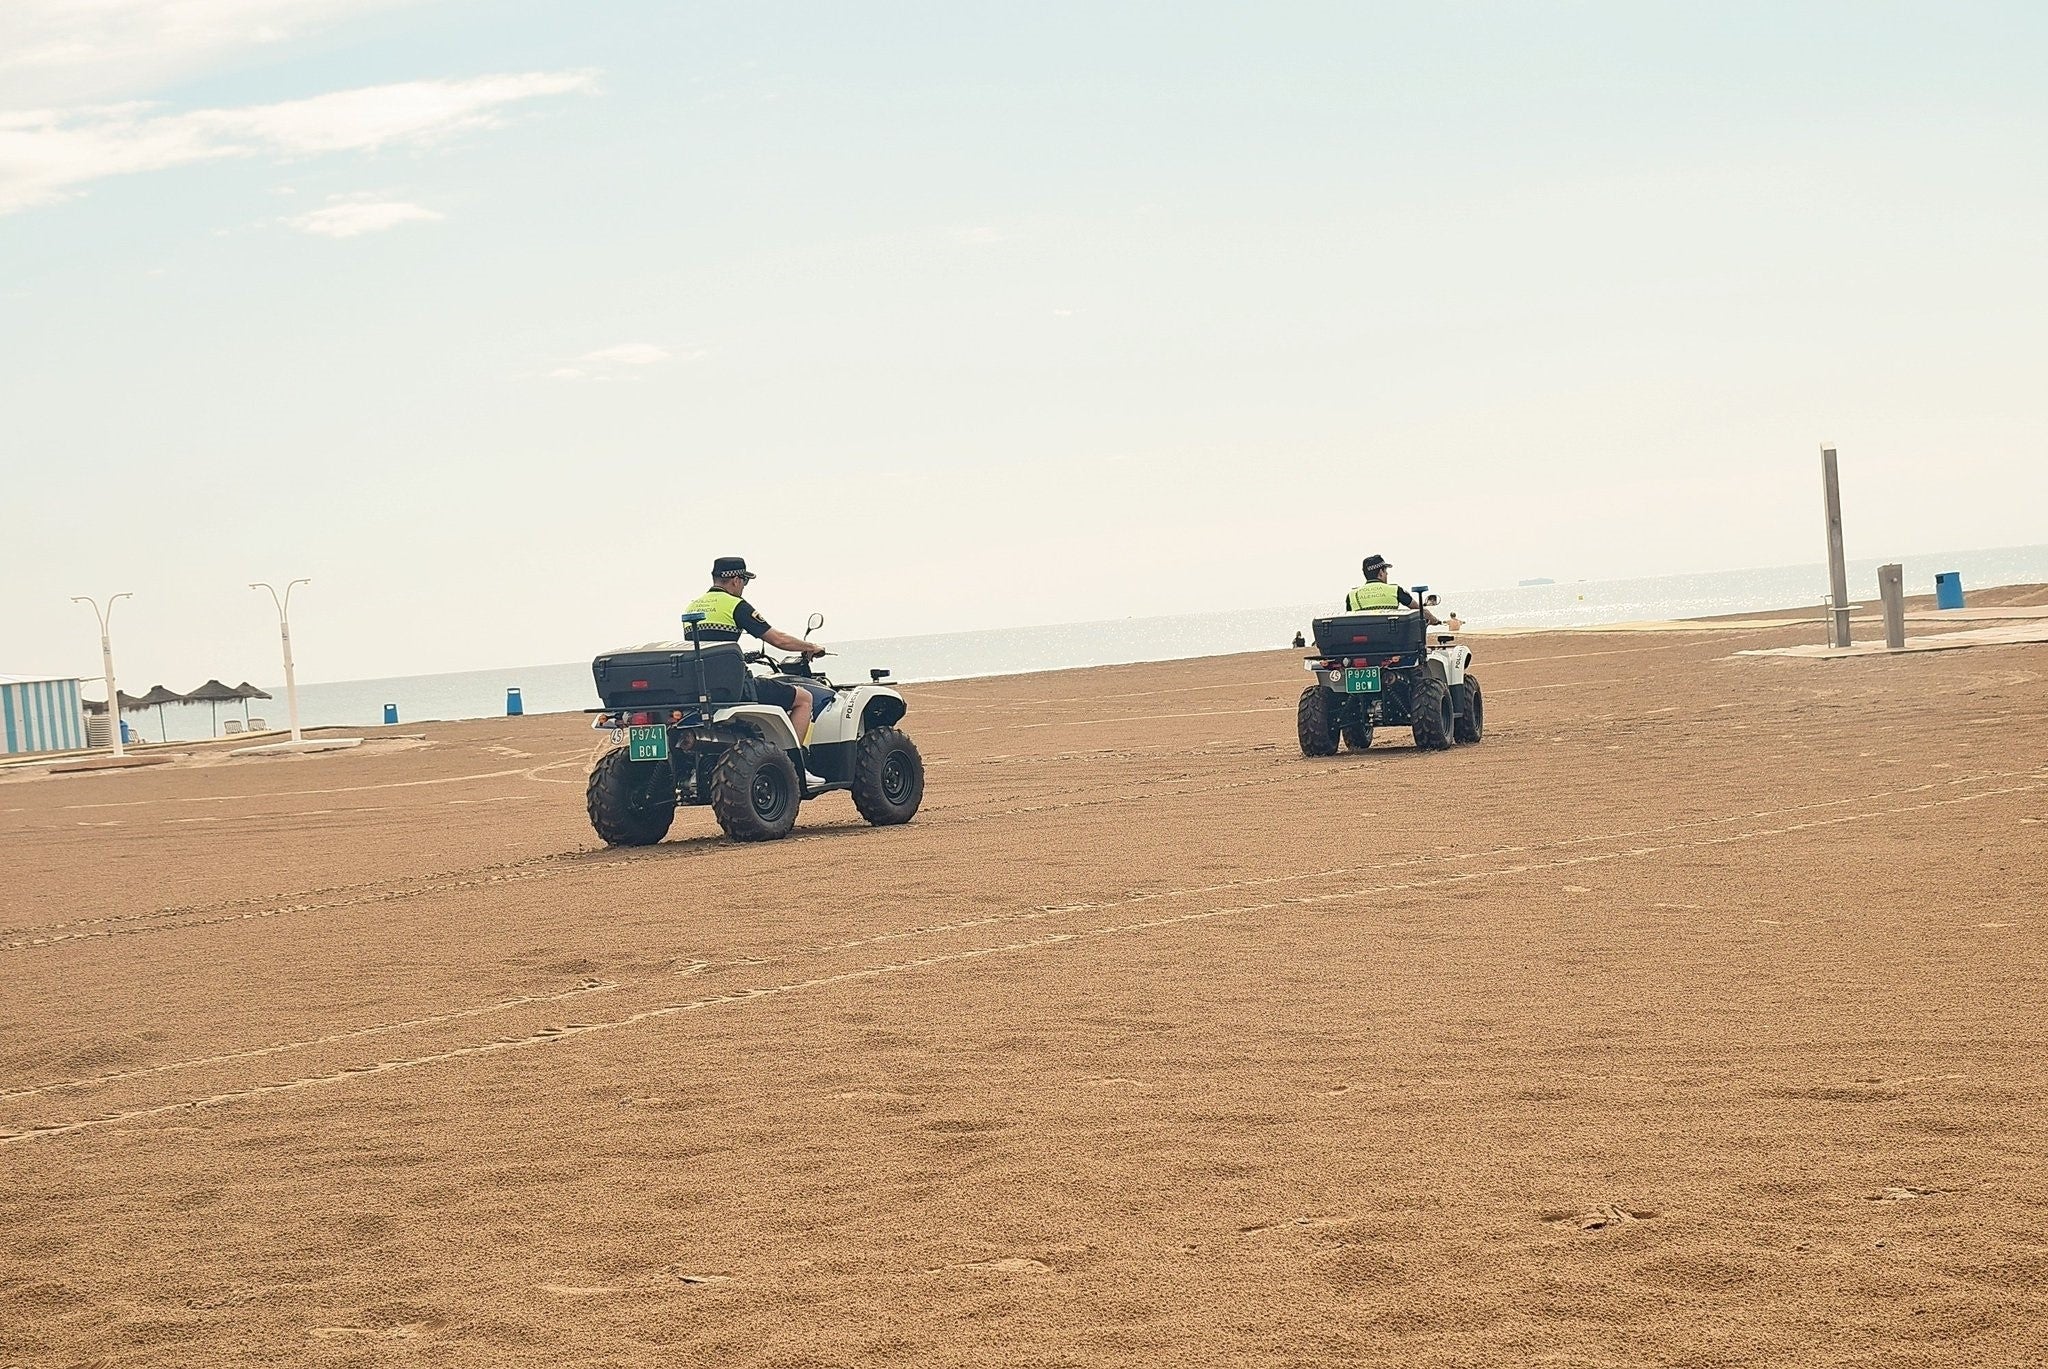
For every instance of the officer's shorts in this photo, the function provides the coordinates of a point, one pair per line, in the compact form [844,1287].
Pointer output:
[776,694]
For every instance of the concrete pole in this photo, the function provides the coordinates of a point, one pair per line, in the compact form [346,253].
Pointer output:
[1891,587]
[1838,573]
[106,616]
[113,695]
[284,632]
[291,679]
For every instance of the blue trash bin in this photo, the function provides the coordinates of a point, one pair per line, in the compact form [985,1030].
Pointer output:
[390,714]
[1948,589]
[513,706]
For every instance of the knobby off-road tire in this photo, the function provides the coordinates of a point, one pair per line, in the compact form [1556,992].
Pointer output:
[754,792]
[1315,722]
[1429,713]
[631,803]
[888,777]
[1472,722]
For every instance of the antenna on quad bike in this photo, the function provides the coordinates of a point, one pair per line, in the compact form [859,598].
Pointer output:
[697,659]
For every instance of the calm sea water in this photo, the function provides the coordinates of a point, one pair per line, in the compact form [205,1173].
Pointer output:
[566,687]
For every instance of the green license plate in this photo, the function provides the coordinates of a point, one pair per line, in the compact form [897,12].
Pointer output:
[647,743]
[1362,679]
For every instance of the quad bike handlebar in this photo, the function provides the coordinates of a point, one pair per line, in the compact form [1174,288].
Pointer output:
[798,666]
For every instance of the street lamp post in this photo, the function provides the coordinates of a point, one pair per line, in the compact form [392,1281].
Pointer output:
[284,629]
[105,615]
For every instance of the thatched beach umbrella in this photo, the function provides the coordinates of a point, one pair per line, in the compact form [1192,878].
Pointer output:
[215,693]
[129,704]
[157,697]
[248,692]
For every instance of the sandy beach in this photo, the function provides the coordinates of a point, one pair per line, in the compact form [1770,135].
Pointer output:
[1694,1018]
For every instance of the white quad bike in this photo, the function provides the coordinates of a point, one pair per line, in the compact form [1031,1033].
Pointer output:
[1382,668]
[689,731]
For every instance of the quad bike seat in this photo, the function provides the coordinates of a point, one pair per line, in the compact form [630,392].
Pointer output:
[1375,633]
[664,675]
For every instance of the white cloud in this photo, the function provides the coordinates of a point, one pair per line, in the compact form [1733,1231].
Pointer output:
[353,216]
[46,155]
[627,354]
[620,362]
[77,50]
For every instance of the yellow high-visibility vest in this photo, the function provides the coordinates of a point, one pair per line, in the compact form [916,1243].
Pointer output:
[1373,594]
[720,624]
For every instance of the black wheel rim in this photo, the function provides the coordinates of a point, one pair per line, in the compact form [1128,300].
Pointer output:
[767,795]
[896,777]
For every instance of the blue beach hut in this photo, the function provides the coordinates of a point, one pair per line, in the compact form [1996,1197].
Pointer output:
[40,713]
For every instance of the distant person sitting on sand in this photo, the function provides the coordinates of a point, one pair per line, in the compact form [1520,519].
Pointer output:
[1377,592]
[1299,640]
[1454,622]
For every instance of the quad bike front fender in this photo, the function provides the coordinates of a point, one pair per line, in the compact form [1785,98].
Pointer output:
[856,711]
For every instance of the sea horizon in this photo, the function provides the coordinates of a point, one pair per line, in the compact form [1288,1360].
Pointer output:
[931,658]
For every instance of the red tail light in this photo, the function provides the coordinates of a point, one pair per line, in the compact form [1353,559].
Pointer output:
[638,684]
[639,719]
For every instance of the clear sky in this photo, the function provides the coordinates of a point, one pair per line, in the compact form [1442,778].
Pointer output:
[500,320]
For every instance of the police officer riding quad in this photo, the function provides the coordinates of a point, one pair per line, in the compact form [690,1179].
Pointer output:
[1377,668]
[691,731]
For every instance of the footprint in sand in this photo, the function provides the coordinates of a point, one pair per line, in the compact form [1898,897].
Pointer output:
[1599,1219]
[577,1290]
[961,1126]
[1257,1228]
[1009,1264]
[1902,1195]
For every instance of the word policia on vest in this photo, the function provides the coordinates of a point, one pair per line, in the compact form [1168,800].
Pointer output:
[1373,594]
[719,623]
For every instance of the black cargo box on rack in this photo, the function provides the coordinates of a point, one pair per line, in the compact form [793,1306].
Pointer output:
[1370,634]
[665,676]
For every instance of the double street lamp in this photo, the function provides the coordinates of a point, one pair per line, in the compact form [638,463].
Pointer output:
[284,628]
[107,665]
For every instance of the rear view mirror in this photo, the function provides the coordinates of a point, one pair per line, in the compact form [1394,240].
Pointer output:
[817,621]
